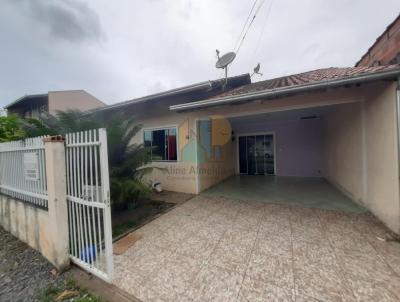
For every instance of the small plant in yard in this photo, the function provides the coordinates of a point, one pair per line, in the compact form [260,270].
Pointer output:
[126,160]
[68,291]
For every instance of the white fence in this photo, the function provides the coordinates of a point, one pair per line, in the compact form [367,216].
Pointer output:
[23,177]
[23,171]
[88,196]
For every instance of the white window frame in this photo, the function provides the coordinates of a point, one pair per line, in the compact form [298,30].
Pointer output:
[177,142]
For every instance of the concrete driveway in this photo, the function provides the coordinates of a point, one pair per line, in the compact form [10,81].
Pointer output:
[218,249]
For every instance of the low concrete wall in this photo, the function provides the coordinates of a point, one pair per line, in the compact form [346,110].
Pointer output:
[43,230]
[30,224]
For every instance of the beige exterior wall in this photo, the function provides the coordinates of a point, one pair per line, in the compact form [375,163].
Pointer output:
[382,156]
[213,171]
[192,172]
[360,152]
[343,149]
[176,176]
[73,99]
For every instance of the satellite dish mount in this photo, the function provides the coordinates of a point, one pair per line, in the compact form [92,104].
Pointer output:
[223,62]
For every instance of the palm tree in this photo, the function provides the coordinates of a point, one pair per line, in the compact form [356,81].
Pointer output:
[126,160]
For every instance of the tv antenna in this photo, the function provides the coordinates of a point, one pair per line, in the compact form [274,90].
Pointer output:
[224,61]
[256,70]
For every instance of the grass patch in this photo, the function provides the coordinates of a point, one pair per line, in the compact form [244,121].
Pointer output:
[68,291]
[124,227]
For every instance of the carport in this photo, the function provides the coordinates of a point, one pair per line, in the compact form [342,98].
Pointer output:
[285,157]
[338,125]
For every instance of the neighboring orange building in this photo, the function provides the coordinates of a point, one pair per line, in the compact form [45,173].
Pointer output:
[386,49]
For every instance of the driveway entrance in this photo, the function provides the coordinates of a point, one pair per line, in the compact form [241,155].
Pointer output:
[221,249]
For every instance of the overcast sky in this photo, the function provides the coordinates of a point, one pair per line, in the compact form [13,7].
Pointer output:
[119,50]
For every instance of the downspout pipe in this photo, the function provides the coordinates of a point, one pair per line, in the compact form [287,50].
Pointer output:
[285,90]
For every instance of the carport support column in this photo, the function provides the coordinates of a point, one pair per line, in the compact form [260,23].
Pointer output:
[57,205]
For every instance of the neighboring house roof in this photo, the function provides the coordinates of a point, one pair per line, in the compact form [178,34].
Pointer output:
[189,92]
[26,97]
[388,28]
[306,81]
[45,95]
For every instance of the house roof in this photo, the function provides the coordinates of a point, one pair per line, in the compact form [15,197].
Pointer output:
[388,28]
[43,95]
[296,83]
[202,89]
[26,97]
[309,77]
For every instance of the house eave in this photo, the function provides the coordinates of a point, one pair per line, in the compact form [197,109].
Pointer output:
[172,92]
[28,96]
[277,92]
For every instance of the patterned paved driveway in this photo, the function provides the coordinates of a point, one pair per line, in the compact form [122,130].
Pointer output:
[216,249]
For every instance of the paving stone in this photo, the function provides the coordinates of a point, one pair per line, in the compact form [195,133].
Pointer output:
[248,251]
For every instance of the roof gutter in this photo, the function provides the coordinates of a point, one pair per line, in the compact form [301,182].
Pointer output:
[284,90]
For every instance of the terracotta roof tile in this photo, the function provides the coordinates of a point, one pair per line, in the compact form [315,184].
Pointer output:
[309,77]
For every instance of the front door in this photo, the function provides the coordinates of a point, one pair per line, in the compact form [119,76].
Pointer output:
[256,154]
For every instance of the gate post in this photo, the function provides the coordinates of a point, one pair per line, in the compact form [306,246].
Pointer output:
[57,204]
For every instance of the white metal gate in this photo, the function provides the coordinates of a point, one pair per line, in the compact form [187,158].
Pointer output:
[88,195]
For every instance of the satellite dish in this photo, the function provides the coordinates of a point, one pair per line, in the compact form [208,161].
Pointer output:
[223,63]
[225,60]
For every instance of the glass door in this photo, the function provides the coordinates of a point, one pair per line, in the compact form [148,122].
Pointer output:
[256,155]
[260,154]
[269,154]
[251,155]
[243,155]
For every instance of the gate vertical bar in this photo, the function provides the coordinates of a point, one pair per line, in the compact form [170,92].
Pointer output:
[106,199]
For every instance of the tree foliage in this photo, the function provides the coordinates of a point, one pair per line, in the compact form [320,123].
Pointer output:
[10,128]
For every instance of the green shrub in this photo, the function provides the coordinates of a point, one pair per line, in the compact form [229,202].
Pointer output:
[10,128]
